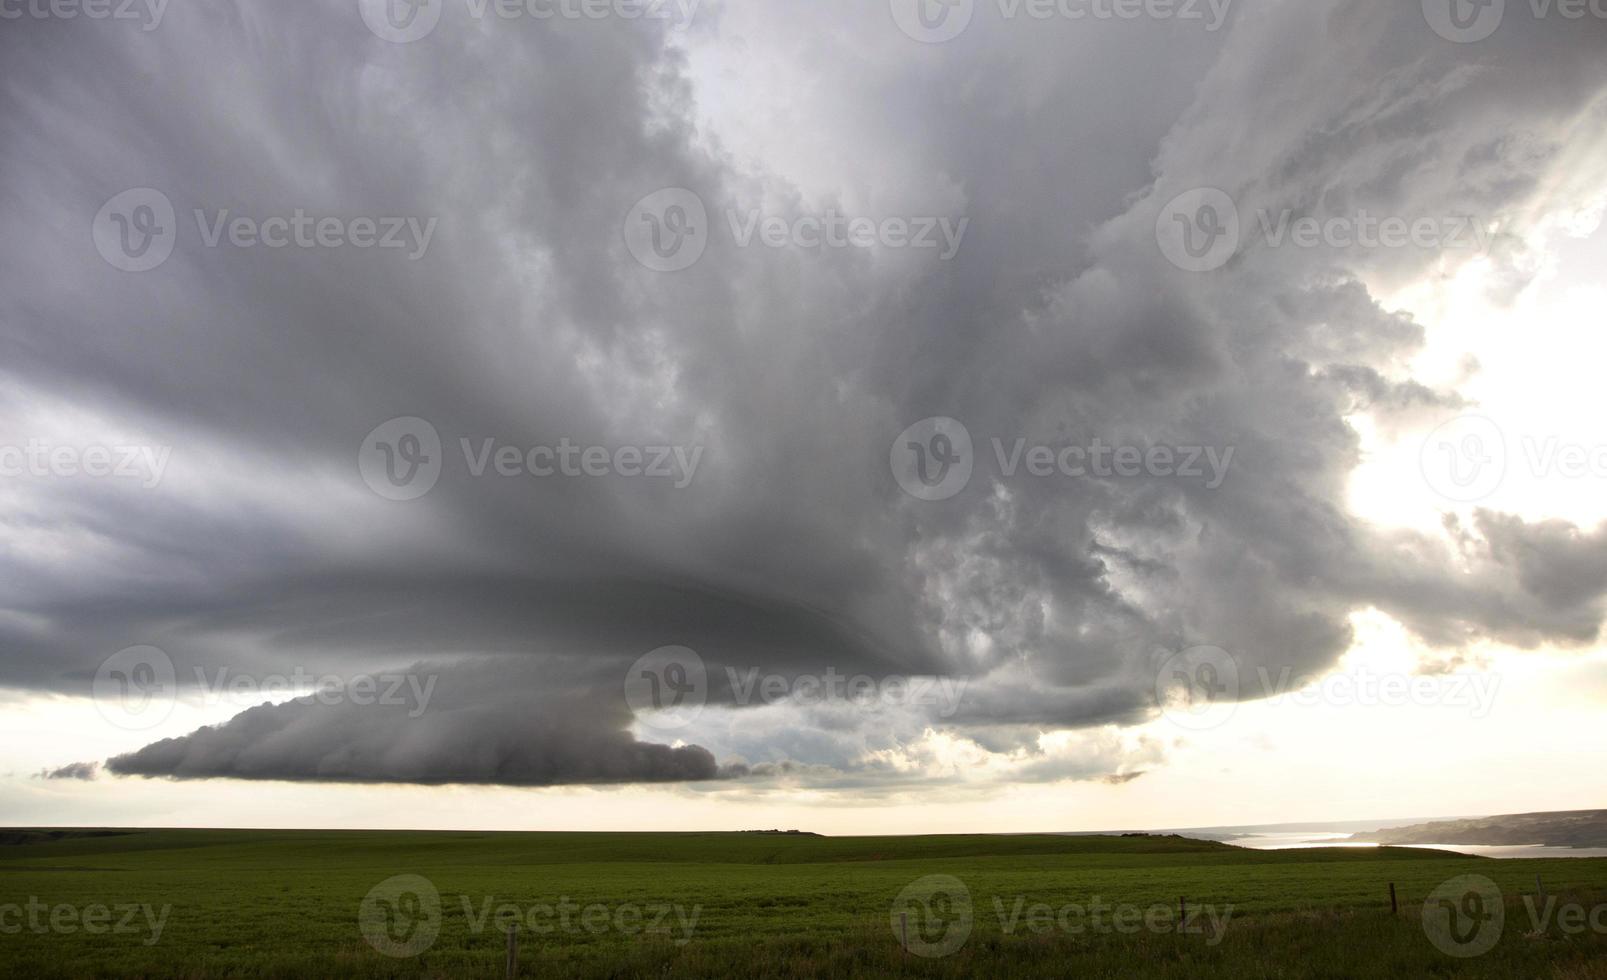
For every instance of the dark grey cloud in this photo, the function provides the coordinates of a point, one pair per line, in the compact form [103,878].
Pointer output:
[83,771]
[485,722]
[527,321]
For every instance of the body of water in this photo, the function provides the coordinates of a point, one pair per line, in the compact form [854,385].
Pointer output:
[1281,840]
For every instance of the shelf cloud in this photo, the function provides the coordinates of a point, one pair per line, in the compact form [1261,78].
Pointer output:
[528,322]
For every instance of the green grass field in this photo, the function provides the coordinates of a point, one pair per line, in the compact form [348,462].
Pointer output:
[295,904]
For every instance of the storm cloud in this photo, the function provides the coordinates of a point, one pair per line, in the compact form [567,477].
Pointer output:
[487,723]
[792,548]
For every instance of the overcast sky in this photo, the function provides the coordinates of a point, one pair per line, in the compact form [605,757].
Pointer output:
[842,414]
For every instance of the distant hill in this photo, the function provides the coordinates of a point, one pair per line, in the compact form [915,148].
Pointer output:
[10,836]
[1567,828]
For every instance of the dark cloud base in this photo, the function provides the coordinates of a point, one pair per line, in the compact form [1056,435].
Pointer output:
[486,722]
[1059,322]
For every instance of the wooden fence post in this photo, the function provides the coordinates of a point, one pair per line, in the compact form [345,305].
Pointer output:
[904,932]
[513,952]
[1394,905]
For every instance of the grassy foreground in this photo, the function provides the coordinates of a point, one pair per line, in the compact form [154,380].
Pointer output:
[204,903]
